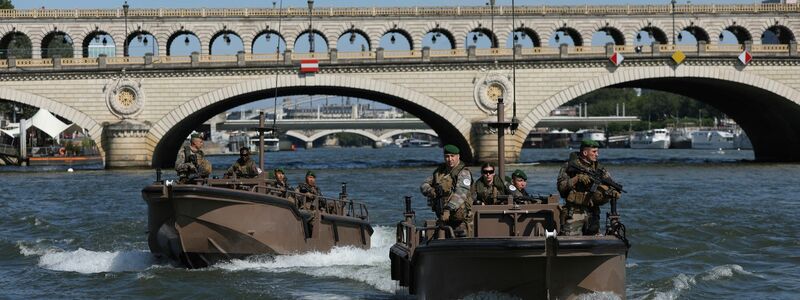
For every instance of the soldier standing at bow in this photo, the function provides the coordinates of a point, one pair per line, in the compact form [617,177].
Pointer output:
[582,193]
[448,191]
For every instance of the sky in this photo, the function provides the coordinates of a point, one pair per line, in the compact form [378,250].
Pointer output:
[22,4]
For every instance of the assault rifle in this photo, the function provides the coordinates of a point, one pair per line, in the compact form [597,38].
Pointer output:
[530,199]
[598,177]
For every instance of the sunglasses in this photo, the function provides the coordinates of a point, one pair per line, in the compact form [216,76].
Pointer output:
[487,171]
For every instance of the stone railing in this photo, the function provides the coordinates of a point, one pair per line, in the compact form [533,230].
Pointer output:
[399,11]
[414,56]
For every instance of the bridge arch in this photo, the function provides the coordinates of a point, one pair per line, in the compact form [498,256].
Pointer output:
[699,33]
[351,35]
[323,133]
[75,116]
[614,33]
[303,36]
[777,34]
[12,43]
[521,34]
[187,37]
[402,131]
[741,33]
[268,36]
[142,39]
[772,122]
[233,42]
[57,42]
[655,33]
[167,134]
[436,34]
[394,33]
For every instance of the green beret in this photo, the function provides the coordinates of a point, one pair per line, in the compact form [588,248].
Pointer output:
[589,144]
[451,149]
[279,169]
[519,174]
[198,135]
[310,173]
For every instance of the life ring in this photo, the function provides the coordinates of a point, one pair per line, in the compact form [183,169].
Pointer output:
[62,151]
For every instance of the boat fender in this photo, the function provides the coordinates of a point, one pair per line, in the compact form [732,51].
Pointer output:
[168,188]
[549,234]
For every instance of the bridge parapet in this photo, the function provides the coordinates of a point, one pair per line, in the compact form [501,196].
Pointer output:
[538,10]
[412,56]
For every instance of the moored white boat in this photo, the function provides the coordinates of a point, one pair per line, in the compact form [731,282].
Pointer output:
[712,139]
[651,139]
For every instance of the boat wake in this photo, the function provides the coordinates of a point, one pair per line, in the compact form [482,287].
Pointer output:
[683,282]
[370,266]
[87,261]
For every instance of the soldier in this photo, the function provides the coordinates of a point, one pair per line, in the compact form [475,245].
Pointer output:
[244,167]
[448,191]
[280,179]
[191,162]
[489,189]
[582,205]
[310,186]
[519,181]
[310,190]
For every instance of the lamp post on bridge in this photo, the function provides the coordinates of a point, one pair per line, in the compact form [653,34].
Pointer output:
[125,7]
[673,20]
[310,27]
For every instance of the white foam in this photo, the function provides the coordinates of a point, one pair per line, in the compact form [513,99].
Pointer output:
[683,282]
[599,296]
[370,266]
[86,261]
[721,272]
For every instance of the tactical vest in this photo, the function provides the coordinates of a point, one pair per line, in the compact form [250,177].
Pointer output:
[489,194]
[448,181]
[580,195]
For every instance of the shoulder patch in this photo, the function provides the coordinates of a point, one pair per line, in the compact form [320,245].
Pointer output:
[512,187]
[466,182]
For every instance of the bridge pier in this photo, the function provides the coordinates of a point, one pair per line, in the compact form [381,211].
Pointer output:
[309,144]
[124,143]
[377,144]
[484,143]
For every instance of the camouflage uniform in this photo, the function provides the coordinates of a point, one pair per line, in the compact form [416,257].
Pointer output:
[309,193]
[243,169]
[582,206]
[186,167]
[517,193]
[489,195]
[455,184]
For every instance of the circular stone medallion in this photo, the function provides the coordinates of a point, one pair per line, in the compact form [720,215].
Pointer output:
[125,100]
[490,88]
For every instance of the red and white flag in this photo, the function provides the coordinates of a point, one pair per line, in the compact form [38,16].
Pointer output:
[616,58]
[309,66]
[745,57]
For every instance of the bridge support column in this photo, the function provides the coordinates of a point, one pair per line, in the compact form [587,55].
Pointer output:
[377,144]
[484,142]
[124,144]
[310,145]
[792,48]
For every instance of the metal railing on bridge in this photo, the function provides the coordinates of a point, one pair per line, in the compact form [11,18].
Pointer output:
[537,10]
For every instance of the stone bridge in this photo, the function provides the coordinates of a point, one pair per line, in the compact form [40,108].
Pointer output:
[140,109]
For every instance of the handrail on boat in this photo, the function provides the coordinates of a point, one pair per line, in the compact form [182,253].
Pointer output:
[329,205]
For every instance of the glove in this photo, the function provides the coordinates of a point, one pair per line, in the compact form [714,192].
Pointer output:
[438,190]
[613,194]
[583,179]
[446,215]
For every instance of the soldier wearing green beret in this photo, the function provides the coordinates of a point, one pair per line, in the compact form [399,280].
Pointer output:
[489,189]
[582,205]
[519,181]
[244,167]
[191,162]
[448,191]
[310,186]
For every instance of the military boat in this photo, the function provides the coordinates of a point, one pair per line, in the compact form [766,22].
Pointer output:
[220,219]
[206,220]
[514,249]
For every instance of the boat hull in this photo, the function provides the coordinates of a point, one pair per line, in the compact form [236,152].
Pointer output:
[456,268]
[657,144]
[198,225]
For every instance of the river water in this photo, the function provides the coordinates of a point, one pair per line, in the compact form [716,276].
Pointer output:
[703,224]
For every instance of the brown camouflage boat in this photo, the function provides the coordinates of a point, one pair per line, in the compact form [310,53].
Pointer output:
[514,250]
[219,219]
